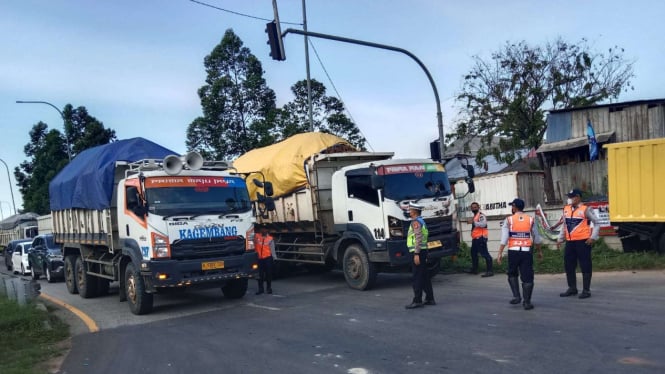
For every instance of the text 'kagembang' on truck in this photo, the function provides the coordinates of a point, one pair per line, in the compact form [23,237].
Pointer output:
[132,212]
[336,206]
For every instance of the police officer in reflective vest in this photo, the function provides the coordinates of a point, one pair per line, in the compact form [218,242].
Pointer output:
[265,249]
[579,238]
[519,234]
[416,241]
[479,234]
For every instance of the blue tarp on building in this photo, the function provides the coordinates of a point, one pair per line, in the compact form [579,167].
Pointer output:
[87,181]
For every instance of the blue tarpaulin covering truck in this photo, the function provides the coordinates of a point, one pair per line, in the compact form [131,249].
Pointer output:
[133,212]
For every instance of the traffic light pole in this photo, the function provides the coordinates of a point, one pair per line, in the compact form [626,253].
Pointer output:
[439,116]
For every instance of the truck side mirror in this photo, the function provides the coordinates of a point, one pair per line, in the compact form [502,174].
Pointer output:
[377,182]
[470,171]
[270,204]
[267,188]
[471,186]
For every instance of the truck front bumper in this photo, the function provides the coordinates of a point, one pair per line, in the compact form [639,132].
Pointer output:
[182,273]
[396,252]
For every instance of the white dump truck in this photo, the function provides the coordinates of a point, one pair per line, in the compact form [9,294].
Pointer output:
[132,212]
[18,226]
[335,206]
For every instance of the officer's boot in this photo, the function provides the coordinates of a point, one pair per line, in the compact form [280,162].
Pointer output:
[269,287]
[260,291]
[515,287]
[586,286]
[488,272]
[572,285]
[528,290]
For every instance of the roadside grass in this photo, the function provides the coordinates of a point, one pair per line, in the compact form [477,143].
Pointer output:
[603,258]
[28,337]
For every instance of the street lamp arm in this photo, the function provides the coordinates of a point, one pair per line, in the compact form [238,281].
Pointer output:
[439,115]
[10,184]
[42,102]
[69,152]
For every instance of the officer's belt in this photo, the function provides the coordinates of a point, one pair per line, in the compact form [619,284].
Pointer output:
[520,249]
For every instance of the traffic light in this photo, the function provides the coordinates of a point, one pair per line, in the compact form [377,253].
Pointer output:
[275,41]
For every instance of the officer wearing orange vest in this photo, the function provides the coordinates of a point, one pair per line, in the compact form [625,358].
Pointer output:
[264,245]
[479,234]
[519,234]
[579,238]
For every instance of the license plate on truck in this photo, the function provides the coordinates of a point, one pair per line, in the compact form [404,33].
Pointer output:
[434,244]
[212,265]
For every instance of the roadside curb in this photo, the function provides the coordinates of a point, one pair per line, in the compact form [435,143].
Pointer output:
[80,325]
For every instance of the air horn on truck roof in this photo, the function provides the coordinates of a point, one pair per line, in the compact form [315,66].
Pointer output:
[173,164]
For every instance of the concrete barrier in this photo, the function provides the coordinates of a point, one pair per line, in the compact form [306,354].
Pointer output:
[18,289]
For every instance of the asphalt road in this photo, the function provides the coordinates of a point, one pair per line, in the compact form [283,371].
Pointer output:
[316,324]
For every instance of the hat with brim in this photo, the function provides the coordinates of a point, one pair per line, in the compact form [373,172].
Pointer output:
[574,192]
[518,203]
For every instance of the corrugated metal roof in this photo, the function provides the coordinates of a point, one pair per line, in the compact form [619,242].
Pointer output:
[573,143]
[611,105]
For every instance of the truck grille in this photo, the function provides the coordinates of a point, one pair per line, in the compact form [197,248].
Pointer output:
[206,248]
[439,225]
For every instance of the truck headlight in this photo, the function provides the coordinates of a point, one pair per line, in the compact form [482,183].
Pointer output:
[160,246]
[395,227]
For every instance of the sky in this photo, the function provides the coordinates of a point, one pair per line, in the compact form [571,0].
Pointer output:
[137,65]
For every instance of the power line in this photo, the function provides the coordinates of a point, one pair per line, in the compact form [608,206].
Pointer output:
[242,14]
[316,53]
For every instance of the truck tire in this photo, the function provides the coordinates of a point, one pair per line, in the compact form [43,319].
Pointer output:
[86,283]
[140,302]
[360,274]
[70,274]
[103,286]
[235,289]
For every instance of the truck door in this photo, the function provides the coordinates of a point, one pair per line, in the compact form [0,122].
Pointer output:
[364,206]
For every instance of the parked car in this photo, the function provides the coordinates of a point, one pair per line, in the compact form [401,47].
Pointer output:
[45,258]
[10,249]
[20,258]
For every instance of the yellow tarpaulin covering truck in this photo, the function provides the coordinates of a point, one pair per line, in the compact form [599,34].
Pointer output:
[336,206]
[636,178]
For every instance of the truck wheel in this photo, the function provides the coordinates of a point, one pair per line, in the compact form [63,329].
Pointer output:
[35,276]
[86,283]
[433,268]
[70,274]
[140,302]
[235,289]
[360,274]
[102,286]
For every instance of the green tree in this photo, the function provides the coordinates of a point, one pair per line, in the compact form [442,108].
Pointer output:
[47,154]
[508,96]
[238,107]
[327,115]
[85,131]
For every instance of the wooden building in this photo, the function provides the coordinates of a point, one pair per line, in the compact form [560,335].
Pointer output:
[566,147]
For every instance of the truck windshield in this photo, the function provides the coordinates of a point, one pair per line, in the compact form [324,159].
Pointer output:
[195,196]
[416,185]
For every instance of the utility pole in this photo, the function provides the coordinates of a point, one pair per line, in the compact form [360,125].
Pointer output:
[439,116]
[309,83]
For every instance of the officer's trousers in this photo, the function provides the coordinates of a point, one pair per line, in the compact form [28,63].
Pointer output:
[421,280]
[522,262]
